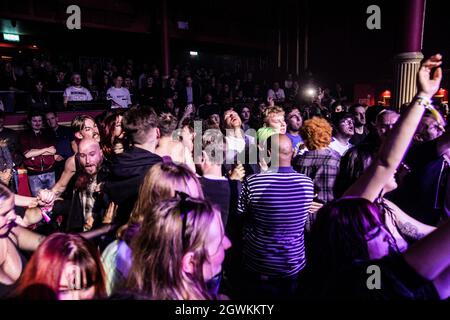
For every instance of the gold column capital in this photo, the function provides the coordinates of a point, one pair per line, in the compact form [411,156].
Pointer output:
[408,57]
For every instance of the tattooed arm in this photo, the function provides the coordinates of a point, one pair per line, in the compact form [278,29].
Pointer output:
[409,227]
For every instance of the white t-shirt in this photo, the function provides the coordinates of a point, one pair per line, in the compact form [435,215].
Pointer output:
[339,147]
[235,146]
[77,94]
[120,97]
[279,95]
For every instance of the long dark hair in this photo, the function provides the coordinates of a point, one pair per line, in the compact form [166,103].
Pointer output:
[353,164]
[337,238]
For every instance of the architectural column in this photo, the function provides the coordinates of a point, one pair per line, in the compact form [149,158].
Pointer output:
[407,61]
[165,40]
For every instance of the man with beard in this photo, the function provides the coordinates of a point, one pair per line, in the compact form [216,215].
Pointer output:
[129,168]
[294,123]
[359,119]
[238,144]
[88,206]
[83,126]
[344,130]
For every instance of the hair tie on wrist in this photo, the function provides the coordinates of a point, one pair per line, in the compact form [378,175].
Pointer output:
[426,103]
[423,101]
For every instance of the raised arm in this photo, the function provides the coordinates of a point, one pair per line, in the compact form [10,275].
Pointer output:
[391,152]
[68,173]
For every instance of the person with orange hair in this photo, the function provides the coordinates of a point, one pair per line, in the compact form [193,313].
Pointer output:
[320,162]
[64,267]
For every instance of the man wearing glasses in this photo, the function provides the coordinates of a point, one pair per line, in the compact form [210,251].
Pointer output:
[343,131]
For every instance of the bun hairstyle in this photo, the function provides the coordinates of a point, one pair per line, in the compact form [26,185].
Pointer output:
[167,124]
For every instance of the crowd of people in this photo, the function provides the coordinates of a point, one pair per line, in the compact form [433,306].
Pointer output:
[48,84]
[168,197]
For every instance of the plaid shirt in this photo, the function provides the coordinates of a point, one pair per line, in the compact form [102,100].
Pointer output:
[88,200]
[322,166]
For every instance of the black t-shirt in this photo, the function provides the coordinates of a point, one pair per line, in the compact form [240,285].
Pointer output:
[417,194]
[224,193]
[127,174]
[358,138]
[398,281]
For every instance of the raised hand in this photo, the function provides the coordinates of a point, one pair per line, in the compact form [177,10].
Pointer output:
[110,213]
[238,173]
[427,82]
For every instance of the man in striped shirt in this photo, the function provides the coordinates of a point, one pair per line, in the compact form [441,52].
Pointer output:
[275,204]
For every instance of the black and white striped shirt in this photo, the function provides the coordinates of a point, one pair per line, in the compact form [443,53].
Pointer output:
[276,204]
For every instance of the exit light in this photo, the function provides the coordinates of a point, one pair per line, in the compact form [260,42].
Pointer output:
[11,37]
[193,53]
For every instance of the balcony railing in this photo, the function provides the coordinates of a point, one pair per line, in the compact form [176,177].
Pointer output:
[19,101]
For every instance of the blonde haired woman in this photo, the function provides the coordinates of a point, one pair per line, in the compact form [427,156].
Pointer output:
[160,183]
[179,251]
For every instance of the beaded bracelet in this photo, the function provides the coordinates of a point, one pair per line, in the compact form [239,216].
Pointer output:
[426,102]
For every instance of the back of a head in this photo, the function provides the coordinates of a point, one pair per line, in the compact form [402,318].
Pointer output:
[384,114]
[174,228]
[316,133]
[167,124]
[338,234]
[160,183]
[352,165]
[47,264]
[138,121]
[213,144]
[372,112]
[280,146]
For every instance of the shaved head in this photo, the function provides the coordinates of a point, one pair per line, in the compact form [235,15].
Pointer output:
[90,155]
[285,145]
[280,147]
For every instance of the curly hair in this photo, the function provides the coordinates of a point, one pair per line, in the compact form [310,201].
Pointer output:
[269,111]
[316,133]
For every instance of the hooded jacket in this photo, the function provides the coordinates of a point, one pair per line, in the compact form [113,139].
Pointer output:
[127,174]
